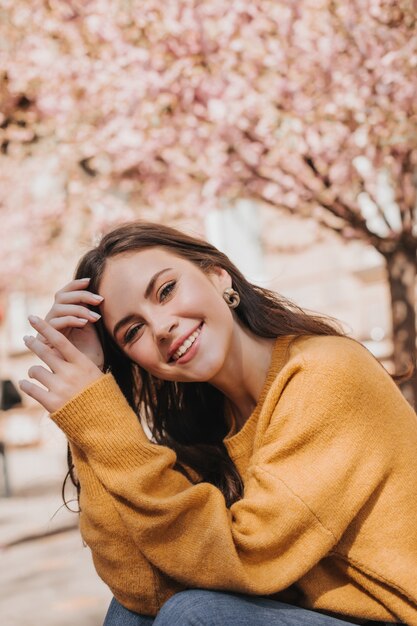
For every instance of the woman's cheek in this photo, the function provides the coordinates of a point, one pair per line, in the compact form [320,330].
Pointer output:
[138,356]
[143,353]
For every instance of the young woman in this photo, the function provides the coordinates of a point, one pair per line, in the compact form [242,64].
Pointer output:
[280,484]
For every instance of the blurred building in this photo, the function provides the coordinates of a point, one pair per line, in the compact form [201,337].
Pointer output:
[312,267]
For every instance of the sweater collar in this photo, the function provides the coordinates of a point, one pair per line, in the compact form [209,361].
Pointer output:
[236,443]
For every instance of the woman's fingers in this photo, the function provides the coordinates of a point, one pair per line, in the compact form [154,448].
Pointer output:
[76,291]
[71,297]
[70,370]
[66,323]
[70,310]
[52,358]
[43,396]
[75,310]
[53,338]
[41,374]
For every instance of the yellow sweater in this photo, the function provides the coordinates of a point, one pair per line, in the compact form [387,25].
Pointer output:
[329,513]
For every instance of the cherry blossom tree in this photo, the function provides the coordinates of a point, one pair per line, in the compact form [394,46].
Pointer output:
[176,105]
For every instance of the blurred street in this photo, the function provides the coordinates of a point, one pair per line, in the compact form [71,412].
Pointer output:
[46,575]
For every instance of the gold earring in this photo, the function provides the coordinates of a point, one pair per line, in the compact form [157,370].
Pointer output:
[231,297]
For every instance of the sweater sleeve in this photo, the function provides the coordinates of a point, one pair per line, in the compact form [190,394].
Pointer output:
[131,578]
[310,475]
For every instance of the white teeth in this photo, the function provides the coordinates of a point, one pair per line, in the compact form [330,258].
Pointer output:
[186,345]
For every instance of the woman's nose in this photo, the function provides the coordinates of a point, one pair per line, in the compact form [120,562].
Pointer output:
[163,328]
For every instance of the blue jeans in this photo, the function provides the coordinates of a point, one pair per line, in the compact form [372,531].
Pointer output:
[198,607]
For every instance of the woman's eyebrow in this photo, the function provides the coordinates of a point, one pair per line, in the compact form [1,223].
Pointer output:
[125,320]
[153,280]
[128,318]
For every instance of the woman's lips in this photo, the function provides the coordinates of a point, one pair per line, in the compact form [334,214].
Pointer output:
[192,351]
[179,342]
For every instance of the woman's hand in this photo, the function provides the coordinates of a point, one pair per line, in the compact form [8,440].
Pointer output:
[70,371]
[70,315]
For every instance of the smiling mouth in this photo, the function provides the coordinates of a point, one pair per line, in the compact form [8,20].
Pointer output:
[184,347]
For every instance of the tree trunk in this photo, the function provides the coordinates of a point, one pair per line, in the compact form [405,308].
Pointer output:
[401,269]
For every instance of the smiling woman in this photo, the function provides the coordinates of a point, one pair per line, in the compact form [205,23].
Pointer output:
[280,483]
[162,310]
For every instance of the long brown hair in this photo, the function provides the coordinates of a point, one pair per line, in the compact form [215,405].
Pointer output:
[170,408]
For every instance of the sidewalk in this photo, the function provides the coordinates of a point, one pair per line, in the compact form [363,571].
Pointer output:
[46,576]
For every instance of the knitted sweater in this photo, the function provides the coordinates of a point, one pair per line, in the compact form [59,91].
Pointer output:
[328,520]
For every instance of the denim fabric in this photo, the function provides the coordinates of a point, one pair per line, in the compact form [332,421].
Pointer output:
[198,607]
[117,615]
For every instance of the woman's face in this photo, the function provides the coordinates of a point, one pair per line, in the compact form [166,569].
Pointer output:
[167,315]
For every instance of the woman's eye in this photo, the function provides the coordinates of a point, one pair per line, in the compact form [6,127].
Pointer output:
[166,290]
[131,333]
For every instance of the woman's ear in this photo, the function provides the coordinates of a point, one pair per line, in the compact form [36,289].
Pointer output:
[220,278]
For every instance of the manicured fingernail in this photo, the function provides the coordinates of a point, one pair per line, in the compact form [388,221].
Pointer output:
[27,338]
[33,319]
[86,278]
[97,297]
[95,315]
